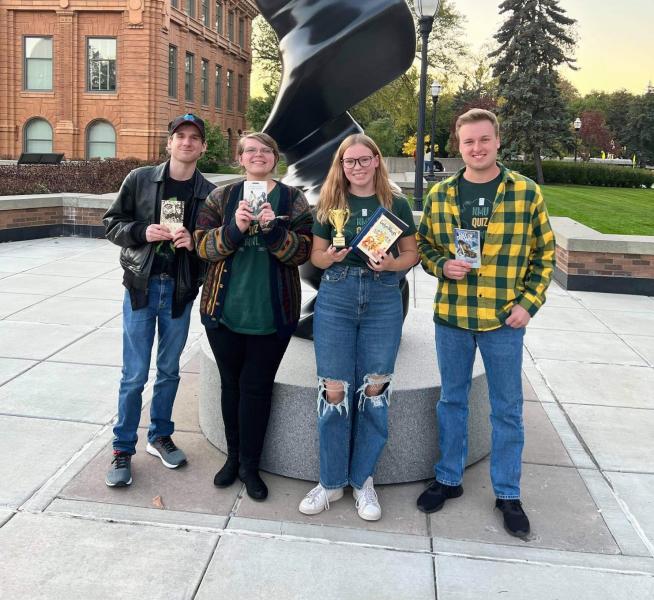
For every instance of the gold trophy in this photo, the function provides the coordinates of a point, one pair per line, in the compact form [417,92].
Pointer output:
[338,217]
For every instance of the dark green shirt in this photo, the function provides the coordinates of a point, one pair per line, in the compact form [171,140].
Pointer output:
[248,305]
[361,209]
[475,202]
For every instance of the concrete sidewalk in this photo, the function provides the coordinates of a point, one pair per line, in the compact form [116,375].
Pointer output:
[588,473]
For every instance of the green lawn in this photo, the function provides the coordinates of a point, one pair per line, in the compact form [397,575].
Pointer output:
[608,210]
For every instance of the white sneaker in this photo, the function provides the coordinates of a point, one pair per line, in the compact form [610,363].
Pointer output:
[318,499]
[367,502]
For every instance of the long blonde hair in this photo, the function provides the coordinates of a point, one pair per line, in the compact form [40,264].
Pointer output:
[335,190]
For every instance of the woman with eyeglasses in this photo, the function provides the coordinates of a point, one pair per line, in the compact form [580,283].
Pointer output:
[251,299]
[357,327]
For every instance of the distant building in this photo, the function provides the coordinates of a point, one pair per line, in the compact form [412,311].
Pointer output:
[103,78]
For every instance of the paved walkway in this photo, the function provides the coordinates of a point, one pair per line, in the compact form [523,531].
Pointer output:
[588,468]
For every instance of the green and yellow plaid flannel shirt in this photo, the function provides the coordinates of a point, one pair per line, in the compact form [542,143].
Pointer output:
[517,259]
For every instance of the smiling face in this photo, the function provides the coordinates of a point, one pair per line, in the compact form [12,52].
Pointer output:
[478,145]
[185,145]
[257,159]
[361,179]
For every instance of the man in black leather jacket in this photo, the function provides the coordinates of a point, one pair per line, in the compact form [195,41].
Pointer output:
[152,219]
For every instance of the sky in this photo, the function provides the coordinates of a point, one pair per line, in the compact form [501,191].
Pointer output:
[615,46]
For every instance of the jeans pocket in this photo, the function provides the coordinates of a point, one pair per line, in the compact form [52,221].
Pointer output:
[389,279]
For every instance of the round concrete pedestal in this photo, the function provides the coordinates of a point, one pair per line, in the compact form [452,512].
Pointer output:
[291,447]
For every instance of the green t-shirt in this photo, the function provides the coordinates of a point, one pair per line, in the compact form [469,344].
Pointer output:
[361,209]
[248,304]
[476,203]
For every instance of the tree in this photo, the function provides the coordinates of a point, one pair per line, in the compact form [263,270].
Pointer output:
[259,108]
[641,128]
[265,49]
[386,136]
[534,40]
[594,133]
[217,149]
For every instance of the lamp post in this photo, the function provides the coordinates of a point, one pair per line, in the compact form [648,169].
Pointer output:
[577,126]
[426,10]
[435,93]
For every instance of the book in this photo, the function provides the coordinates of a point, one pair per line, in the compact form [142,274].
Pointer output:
[172,214]
[468,246]
[380,233]
[255,193]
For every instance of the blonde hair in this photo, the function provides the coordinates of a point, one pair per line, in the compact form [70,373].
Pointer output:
[335,190]
[474,115]
[264,139]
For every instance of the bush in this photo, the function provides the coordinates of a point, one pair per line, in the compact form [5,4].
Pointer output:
[582,173]
[217,149]
[84,176]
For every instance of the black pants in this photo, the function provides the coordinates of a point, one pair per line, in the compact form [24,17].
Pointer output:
[248,365]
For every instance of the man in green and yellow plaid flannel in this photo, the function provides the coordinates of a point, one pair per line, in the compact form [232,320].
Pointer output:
[485,234]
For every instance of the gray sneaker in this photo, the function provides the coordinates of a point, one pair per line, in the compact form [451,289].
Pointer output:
[120,473]
[164,447]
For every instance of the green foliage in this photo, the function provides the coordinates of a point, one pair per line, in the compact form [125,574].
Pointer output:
[534,40]
[217,148]
[386,136]
[259,108]
[265,48]
[641,128]
[581,173]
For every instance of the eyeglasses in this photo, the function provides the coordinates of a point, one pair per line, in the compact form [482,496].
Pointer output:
[364,161]
[263,150]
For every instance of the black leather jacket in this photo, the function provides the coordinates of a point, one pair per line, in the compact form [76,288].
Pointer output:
[137,205]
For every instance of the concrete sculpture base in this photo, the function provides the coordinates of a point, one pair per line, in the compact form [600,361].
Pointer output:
[291,447]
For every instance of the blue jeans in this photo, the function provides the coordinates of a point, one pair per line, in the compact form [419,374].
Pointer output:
[138,337]
[357,328]
[501,351]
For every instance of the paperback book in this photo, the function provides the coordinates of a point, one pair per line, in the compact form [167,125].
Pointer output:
[255,193]
[172,214]
[468,246]
[380,233]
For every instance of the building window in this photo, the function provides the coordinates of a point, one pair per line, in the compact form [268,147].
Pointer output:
[38,63]
[100,140]
[189,68]
[38,136]
[174,3]
[101,54]
[204,82]
[230,96]
[219,17]
[172,71]
[230,26]
[241,33]
[241,94]
[219,87]
[205,13]
[190,8]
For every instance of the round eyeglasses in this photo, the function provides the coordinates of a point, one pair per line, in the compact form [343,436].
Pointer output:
[364,161]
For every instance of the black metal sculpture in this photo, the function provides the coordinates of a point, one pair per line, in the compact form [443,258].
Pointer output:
[334,54]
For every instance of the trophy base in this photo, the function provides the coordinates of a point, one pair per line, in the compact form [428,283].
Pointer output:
[338,241]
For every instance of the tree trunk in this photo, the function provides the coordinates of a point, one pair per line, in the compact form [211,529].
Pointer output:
[539,167]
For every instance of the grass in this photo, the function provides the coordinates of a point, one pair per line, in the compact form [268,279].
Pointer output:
[608,210]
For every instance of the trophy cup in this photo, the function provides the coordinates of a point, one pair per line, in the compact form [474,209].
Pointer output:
[338,217]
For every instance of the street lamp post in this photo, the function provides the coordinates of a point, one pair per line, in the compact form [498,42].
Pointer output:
[426,10]
[577,126]
[435,93]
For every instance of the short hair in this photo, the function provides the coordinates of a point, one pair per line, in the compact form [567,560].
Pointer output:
[263,138]
[474,115]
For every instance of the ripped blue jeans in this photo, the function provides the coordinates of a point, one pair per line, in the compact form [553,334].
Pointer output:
[357,328]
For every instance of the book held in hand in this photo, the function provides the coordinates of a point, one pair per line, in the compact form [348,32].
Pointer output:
[172,214]
[380,233]
[468,246]
[255,193]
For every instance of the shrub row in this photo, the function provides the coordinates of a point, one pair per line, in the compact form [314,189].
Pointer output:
[84,177]
[581,173]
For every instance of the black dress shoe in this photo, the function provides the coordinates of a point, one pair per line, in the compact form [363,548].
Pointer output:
[254,485]
[228,474]
[515,520]
[433,498]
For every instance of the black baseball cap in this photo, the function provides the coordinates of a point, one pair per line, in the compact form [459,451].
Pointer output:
[187,118]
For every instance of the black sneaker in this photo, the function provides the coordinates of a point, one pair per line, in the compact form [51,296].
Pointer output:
[434,497]
[515,520]
[120,472]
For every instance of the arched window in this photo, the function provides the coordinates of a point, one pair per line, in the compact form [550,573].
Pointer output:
[100,140]
[38,136]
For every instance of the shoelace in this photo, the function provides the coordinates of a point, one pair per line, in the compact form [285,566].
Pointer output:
[121,460]
[368,495]
[167,443]
[314,494]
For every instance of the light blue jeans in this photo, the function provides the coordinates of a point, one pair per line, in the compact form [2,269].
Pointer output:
[501,351]
[139,327]
[357,328]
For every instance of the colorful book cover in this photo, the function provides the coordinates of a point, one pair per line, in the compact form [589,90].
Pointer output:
[468,246]
[172,214]
[255,193]
[380,233]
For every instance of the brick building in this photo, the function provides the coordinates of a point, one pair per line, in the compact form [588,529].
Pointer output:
[104,77]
